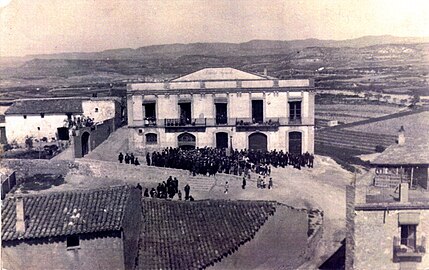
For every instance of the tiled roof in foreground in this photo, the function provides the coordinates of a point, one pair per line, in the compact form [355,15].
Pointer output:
[194,235]
[67,213]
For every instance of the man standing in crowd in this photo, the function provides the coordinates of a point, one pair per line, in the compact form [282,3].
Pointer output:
[187,190]
[120,157]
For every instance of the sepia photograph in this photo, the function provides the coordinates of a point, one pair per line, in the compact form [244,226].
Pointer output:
[214,134]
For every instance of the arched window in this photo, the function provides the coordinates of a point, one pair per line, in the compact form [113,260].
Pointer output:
[151,138]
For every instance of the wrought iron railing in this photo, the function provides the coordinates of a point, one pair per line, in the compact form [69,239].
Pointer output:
[404,246]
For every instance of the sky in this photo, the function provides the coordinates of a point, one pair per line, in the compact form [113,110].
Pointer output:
[53,26]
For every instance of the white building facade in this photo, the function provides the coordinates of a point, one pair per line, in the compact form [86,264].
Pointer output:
[39,118]
[222,107]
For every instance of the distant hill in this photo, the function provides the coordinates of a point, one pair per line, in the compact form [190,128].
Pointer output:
[250,48]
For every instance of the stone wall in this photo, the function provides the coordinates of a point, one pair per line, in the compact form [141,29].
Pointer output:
[98,251]
[131,228]
[350,225]
[18,127]
[98,134]
[374,233]
[25,168]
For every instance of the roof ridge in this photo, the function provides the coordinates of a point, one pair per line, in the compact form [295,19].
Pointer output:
[75,191]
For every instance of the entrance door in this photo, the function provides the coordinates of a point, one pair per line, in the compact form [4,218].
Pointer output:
[221,113]
[85,143]
[221,140]
[186,141]
[185,113]
[258,141]
[295,142]
[257,111]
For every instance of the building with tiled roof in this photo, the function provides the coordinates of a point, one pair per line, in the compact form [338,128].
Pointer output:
[41,117]
[388,209]
[406,161]
[86,229]
[222,108]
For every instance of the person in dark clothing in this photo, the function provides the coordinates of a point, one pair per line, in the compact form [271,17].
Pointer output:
[127,158]
[146,192]
[132,158]
[243,186]
[310,161]
[148,159]
[153,193]
[187,190]
[180,195]
[121,157]
[139,187]
[136,162]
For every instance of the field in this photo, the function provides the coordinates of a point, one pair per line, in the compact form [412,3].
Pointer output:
[349,113]
[414,125]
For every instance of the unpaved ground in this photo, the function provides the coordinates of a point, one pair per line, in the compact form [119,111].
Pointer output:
[322,187]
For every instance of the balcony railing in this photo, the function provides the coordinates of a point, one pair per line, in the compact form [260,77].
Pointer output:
[405,249]
[295,120]
[176,122]
[247,124]
[244,124]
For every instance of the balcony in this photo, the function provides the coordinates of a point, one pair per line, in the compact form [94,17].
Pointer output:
[246,124]
[408,250]
[150,122]
[182,125]
[295,120]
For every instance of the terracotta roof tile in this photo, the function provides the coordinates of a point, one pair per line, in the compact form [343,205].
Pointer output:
[66,213]
[414,151]
[37,106]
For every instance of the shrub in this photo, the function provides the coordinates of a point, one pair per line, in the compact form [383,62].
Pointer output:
[379,148]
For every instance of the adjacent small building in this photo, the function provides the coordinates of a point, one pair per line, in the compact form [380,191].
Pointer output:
[407,161]
[41,117]
[222,108]
[388,210]
[86,229]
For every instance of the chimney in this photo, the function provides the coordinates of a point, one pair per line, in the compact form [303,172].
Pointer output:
[20,215]
[401,136]
[265,72]
[403,193]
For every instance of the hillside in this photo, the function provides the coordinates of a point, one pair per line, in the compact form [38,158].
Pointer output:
[364,64]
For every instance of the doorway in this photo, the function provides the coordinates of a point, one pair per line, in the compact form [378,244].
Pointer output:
[257,111]
[295,142]
[258,141]
[85,143]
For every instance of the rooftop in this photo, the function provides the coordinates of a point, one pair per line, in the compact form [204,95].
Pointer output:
[414,151]
[67,213]
[46,105]
[52,105]
[221,78]
[219,74]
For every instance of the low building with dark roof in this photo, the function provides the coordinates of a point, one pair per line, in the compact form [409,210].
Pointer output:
[388,209]
[42,117]
[89,229]
[406,161]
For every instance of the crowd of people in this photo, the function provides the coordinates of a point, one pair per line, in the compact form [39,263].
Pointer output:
[209,161]
[80,122]
[128,159]
[167,190]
